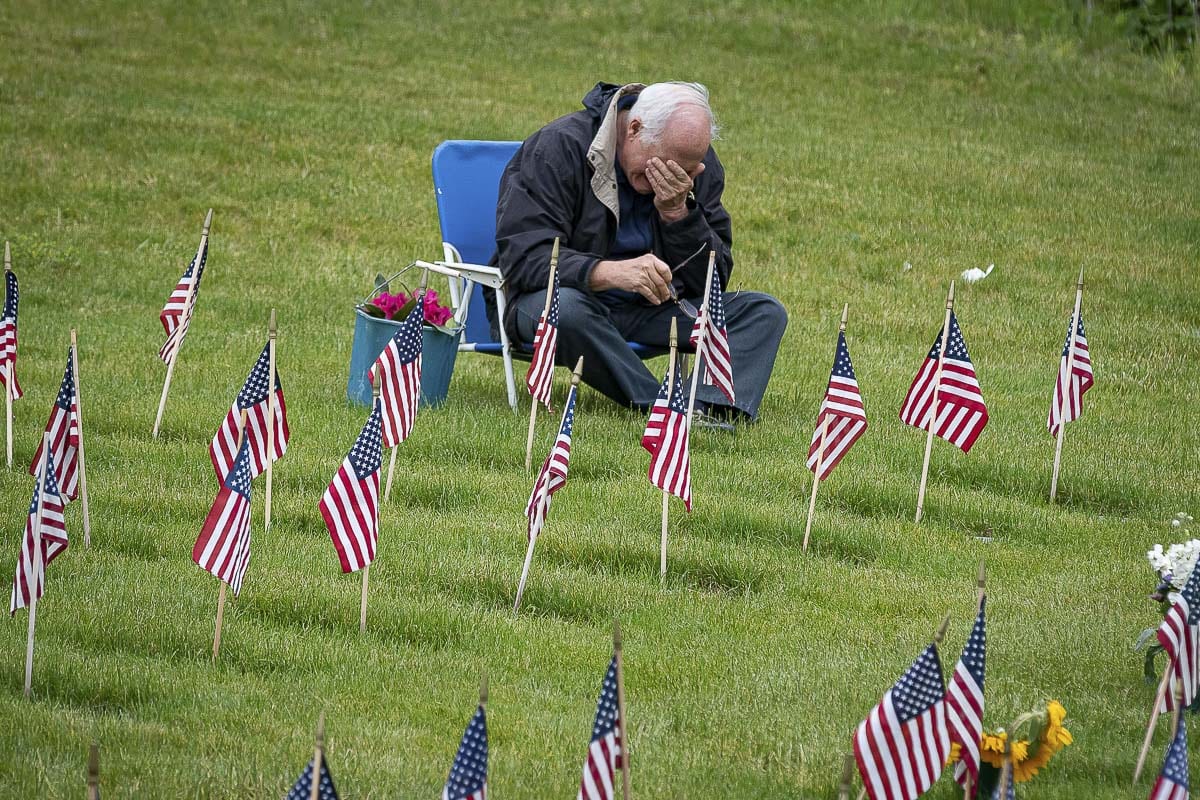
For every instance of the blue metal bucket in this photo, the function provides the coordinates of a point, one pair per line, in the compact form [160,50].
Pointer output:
[371,335]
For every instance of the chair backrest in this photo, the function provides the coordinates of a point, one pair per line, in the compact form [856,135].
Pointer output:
[466,180]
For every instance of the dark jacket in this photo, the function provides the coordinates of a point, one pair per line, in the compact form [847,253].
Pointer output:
[562,182]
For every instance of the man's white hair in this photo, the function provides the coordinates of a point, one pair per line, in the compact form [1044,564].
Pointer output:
[658,102]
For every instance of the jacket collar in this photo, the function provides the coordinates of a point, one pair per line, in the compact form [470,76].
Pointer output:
[602,153]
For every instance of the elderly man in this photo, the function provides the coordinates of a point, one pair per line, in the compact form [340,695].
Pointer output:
[632,188]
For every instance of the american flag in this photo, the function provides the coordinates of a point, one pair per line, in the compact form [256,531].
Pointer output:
[964,702]
[223,546]
[63,427]
[605,750]
[8,335]
[844,407]
[177,313]
[1179,635]
[670,462]
[52,538]
[253,400]
[1172,783]
[961,413]
[553,474]
[350,506]
[398,370]
[718,369]
[1080,380]
[468,774]
[658,415]
[903,743]
[302,789]
[541,369]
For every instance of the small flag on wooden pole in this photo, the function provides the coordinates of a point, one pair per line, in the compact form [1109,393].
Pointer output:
[176,315]
[664,412]
[931,414]
[551,478]
[83,490]
[700,334]
[398,372]
[540,378]
[223,547]
[1074,379]
[37,577]
[622,716]
[8,348]
[315,782]
[841,420]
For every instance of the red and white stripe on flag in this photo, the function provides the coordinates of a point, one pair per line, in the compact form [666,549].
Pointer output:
[350,506]
[63,427]
[605,756]
[903,743]
[553,474]
[961,411]
[964,701]
[398,372]
[223,546]
[30,578]
[1080,380]
[843,405]
[670,461]
[1179,635]
[253,400]
[710,326]
[176,315]
[540,377]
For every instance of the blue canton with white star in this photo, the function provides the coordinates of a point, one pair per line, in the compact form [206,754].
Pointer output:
[1191,596]
[1009,791]
[408,336]
[254,390]
[957,348]
[468,774]
[50,485]
[678,396]
[716,304]
[568,421]
[367,453]
[552,317]
[238,479]
[974,655]
[920,687]
[192,264]
[606,709]
[66,392]
[302,790]
[1079,334]
[842,367]
[1175,768]
[11,295]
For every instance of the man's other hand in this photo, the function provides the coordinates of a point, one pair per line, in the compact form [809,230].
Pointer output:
[671,184]
[648,276]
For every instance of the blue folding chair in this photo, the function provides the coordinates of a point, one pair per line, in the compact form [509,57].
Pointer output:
[466,180]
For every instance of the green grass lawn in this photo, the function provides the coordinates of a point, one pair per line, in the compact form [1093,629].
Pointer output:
[856,138]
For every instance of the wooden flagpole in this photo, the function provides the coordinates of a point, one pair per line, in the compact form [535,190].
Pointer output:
[387,492]
[703,339]
[575,378]
[617,654]
[483,690]
[221,592]
[162,403]
[666,496]
[1070,377]
[545,311]
[933,415]
[1159,696]
[318,757]
[847,777]
[8,370]
[93,772]
[83,492]
[812,500]
[37,562]
[980,593]
[270,416]
[366,570]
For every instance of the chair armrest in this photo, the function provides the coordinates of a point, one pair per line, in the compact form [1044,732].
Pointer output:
[477,273]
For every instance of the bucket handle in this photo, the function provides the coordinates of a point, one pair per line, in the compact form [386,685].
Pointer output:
[388,282]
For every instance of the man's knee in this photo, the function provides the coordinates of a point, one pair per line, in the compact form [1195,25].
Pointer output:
[580,314]
[763,312]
